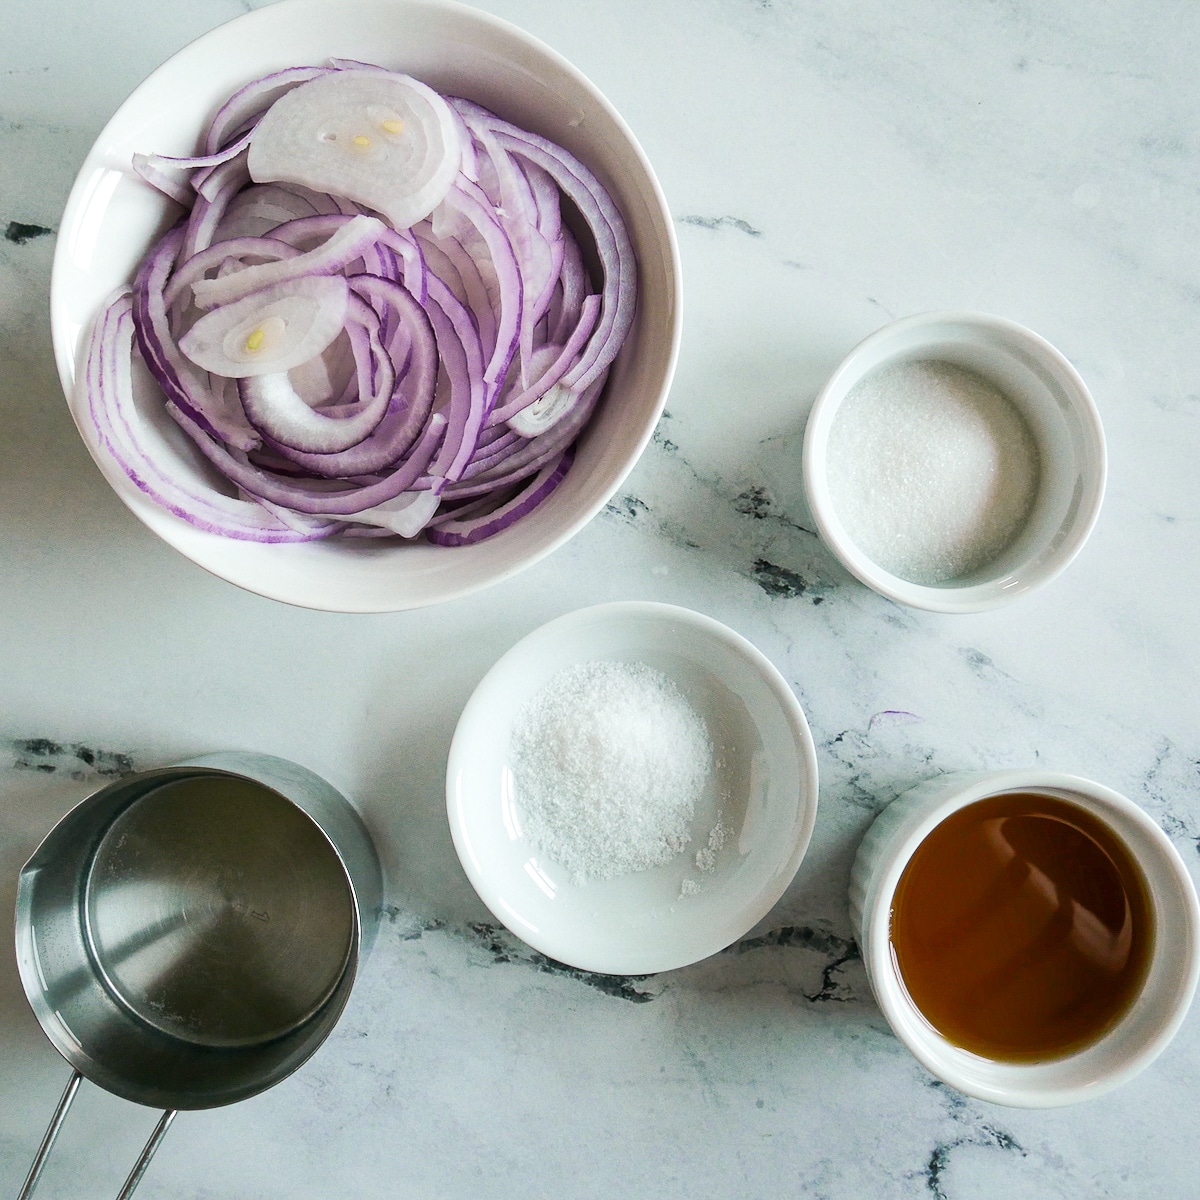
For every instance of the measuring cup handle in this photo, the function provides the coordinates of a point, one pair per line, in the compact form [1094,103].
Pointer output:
[139,1167]
[60,1113]
[39,1161]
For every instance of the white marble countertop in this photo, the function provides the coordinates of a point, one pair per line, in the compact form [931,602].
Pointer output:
[829,166]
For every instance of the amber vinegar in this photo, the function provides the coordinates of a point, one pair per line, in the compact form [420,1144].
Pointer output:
[1022,928]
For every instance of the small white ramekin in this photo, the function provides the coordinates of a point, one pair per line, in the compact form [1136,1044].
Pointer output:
[1137,1038]
[1062,419]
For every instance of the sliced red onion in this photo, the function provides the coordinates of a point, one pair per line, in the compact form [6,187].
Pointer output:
[109,382]
[208,210]
[174,189]
[612,244]
[604,220]
[547,370]
[181,383]
[545,201]
[289,424]
[260,209]
[270,331]
[255,98]
[274,406]
[392,439]
[314,496]
[407,514]
[524,456]
[573,285]
[356,376]
[356,64]
[469,200]
[462,362]
[268,249]
[345,246]
[545,412]
[486,458]
[463,275]
[465,531]
[195,163]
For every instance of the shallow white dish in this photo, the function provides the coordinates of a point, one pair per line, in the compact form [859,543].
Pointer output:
[765,794]
[112,218]
[1057,408]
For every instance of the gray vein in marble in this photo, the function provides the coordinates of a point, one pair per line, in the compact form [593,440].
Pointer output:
[978,1133]
[503,947]
[833,954]
[627,508]
[986,671]
[751,521]
[716,223]
[660,439]
[73,759]
[1172,775]
[859,757]
[779,581]
[18,232]
[838,950]
[760,503]
[408,926]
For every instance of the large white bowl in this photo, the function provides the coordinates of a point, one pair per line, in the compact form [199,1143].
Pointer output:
[112,218]
[764,793]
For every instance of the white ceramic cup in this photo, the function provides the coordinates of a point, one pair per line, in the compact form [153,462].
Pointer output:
[1062,419]
[1133,1042]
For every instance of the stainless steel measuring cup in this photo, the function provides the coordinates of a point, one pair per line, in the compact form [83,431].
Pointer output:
[188,937]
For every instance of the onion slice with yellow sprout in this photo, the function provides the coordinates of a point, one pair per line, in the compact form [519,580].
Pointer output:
[383,140]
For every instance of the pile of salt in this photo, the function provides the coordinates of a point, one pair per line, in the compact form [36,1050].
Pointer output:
[609,760]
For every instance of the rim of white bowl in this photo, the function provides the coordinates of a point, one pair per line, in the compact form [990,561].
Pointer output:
[295,587]
[793,713]
[952,598]
[1021,1088]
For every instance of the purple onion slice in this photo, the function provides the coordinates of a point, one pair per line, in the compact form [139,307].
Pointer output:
[464,531]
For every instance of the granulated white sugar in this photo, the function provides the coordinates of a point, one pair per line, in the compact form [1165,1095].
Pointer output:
[931,469]
[609,760]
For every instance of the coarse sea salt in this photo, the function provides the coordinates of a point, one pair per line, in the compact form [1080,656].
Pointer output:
[609,761]
[931,469]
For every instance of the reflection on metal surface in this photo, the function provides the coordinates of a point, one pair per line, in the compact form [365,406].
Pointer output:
[218,913]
